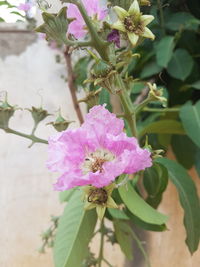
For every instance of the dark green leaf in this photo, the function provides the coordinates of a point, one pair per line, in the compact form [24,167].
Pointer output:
[163,126]
[196,85]
[180,65]
[75,230]
[155,181]
[81,70]
[197,162]
[182,20]
[184,150]
[164,50]
[139,207]
[17,13]
[104,98]
[188,198]
[123,236]
[150,70]
[190,116]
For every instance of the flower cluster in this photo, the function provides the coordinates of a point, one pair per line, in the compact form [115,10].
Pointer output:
[96,153]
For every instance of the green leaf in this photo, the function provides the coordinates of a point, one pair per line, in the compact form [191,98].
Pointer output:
[139,207]
[123,236]
[66,195]
[18,14]
[164,127]
[184,150]
[188,199]
[182,20]
[81,70]
[196,85]
[150,69]
[104,98]
[164,51]
[125,233]
[118,214]
[190,116]
[75,230]
[55,26]
[146,226]
[180,65]
[2,20]
[155,181]
[197,162]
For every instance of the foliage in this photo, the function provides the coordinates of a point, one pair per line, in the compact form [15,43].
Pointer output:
[161,117]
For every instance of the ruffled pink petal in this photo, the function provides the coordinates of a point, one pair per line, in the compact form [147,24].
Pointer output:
[137,160]
[71,179]
[117,144]
[67,149]
[102,122]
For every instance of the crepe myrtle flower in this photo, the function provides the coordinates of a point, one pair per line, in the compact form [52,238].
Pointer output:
[133,23]
[96,153]
[78,27]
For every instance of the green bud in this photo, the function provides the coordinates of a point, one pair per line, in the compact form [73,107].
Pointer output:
[144,2]
[102,69]
[6,112]
[38,114]
[60,124]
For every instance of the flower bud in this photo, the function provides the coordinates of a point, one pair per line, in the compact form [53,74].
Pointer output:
[6,112]
[38,114]
[103,74]
[60,124]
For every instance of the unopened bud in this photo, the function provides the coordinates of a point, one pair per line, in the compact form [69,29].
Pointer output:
[6,112]
[60,124]
[92,98]
[38,114]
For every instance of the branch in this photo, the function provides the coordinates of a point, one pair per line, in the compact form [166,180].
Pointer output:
[32,137]
[71,84]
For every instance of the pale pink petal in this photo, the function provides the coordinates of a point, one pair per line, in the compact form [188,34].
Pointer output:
[99,119]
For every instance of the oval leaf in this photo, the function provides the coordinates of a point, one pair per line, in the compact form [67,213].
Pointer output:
[164,127]
[75,230]
[188,198]
[139,207]
[190,116]
[164,51]
[180,65]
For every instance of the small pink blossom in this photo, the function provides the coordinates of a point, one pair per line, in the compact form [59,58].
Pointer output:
[96,153]
[78,27]
[25,6]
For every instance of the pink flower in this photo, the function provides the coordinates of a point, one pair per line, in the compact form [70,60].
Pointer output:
[77,27]
[25,7]
[96,153]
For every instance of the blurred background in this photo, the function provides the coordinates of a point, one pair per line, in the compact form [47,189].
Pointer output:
[32,76]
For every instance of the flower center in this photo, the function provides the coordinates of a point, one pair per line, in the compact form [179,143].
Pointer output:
[133,25]
[94,161]
[98,196]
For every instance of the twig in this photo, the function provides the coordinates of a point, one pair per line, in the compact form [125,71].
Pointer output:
[71,84]
[32,137]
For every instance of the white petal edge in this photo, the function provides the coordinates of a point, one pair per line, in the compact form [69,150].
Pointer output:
[121,13]
[148,34]
[133,38]
[134,8]
[146,19]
